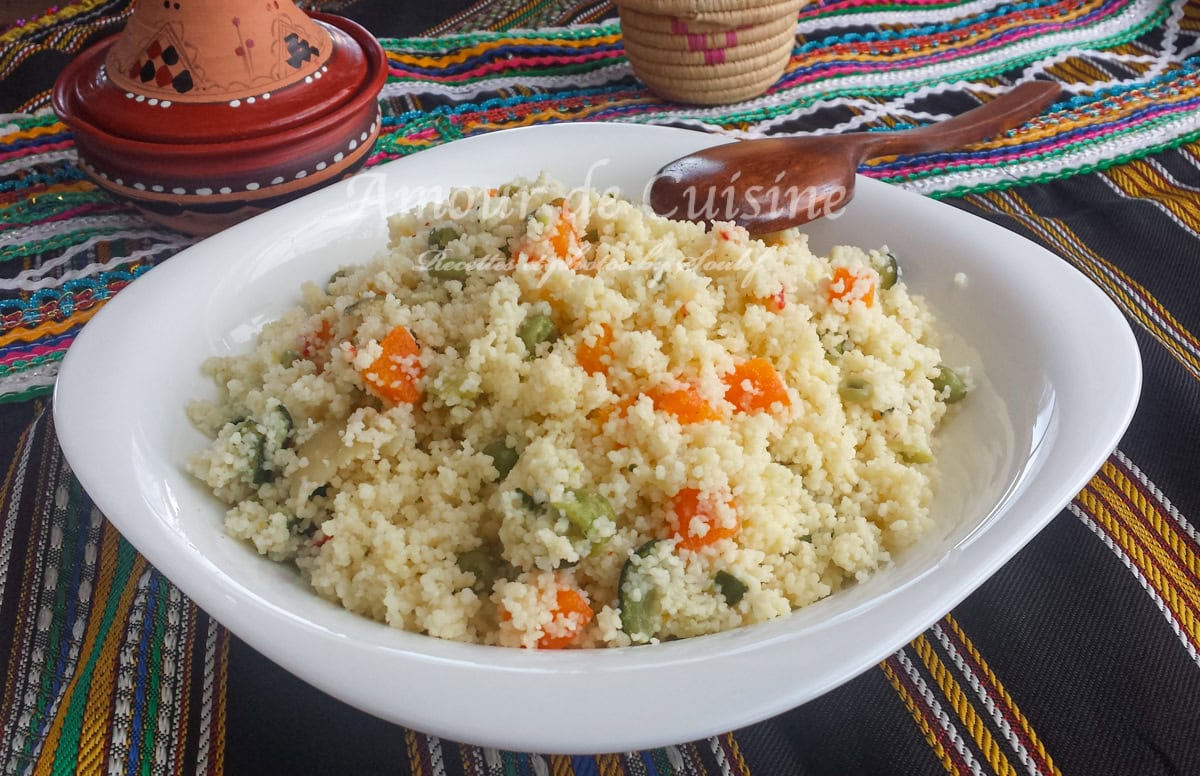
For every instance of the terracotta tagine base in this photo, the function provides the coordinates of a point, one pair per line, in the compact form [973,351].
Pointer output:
[203,115]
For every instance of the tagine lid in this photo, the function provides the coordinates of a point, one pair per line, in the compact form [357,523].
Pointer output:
[192,71]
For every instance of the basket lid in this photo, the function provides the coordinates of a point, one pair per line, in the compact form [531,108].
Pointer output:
[188,73]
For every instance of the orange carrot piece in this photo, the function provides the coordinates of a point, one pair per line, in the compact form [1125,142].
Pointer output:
[572,613]
[686,404]
[597,357]
[396,375]
[689,505]
[845,284]
[755,386]
[565,237]
[620,407]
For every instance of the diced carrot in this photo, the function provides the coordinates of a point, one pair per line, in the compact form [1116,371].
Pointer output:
[686,404]
[565,238]
[396,375]
[755,386]
[596,357]
[314,342]
[689,506]
[621,406]
[848,286]
[571,616]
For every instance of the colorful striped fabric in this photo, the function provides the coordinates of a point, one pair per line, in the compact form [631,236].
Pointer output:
[1082,656]
[1131,66]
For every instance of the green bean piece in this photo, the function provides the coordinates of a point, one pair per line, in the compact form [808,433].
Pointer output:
[949,385]
[484,565]
[288,357]
[730,587]
[535,330]
[584,510]
[504,458]
[321,491]
[639,598]
[856,390]
[441,236]
[889,270]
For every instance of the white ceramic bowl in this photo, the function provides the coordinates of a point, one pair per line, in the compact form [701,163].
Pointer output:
[1048,414]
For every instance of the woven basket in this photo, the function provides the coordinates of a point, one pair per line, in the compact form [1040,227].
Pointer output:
[708,51]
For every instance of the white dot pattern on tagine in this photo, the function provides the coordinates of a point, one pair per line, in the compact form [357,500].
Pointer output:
[206,191]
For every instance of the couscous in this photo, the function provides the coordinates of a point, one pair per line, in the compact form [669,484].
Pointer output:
[549,418]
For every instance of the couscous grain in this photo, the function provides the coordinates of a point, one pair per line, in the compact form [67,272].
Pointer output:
[553,419]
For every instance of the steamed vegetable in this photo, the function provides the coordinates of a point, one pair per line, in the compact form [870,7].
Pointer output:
[755,386]
[949,385]
[639,598]
[695,520]
[396,375]
[848,286]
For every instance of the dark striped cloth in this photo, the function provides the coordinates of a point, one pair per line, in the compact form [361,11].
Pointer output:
[1079,657]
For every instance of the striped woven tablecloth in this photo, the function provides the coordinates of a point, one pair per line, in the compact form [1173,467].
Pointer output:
[1079,657]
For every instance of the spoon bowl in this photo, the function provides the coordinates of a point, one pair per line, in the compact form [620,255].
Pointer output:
[769,184]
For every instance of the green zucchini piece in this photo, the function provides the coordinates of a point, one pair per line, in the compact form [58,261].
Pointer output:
[730,587]
[529,502]
[535,330]
[916,455]
[855,390]
[504,458]
[368,305]
[485,564]
[285,422]
[639,599]
[444,268]
[889,270]
[584,510]
[260,472]
[336,276]
[441,236]
[949,385]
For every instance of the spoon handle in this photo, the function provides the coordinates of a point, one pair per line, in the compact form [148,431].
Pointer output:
[1007,111]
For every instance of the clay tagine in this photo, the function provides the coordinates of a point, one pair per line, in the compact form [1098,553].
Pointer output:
[205,113]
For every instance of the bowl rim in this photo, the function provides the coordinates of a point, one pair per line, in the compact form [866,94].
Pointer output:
[430,705]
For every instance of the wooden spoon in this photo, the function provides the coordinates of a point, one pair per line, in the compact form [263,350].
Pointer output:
[770,184]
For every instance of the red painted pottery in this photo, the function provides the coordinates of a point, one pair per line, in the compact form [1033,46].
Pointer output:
[203,115]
